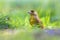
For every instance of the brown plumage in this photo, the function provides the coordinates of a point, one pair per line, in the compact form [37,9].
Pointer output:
[34,19]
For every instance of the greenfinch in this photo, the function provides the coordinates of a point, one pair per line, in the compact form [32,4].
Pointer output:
[35,20]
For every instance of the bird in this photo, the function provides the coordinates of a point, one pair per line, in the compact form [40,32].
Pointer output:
[34,19]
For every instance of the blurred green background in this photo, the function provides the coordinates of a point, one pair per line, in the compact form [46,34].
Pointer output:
[14,15]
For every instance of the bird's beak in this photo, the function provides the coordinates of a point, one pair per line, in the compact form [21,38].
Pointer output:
[29,12]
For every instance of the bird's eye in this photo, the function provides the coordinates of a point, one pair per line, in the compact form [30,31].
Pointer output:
[32,10]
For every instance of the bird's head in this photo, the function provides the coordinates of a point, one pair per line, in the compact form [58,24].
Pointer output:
[32,12]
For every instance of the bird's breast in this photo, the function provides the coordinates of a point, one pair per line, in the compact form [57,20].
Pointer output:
[32,20]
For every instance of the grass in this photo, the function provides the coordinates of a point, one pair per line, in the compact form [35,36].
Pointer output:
[13,14]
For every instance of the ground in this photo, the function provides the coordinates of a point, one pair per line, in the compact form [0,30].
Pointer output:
[22,34]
